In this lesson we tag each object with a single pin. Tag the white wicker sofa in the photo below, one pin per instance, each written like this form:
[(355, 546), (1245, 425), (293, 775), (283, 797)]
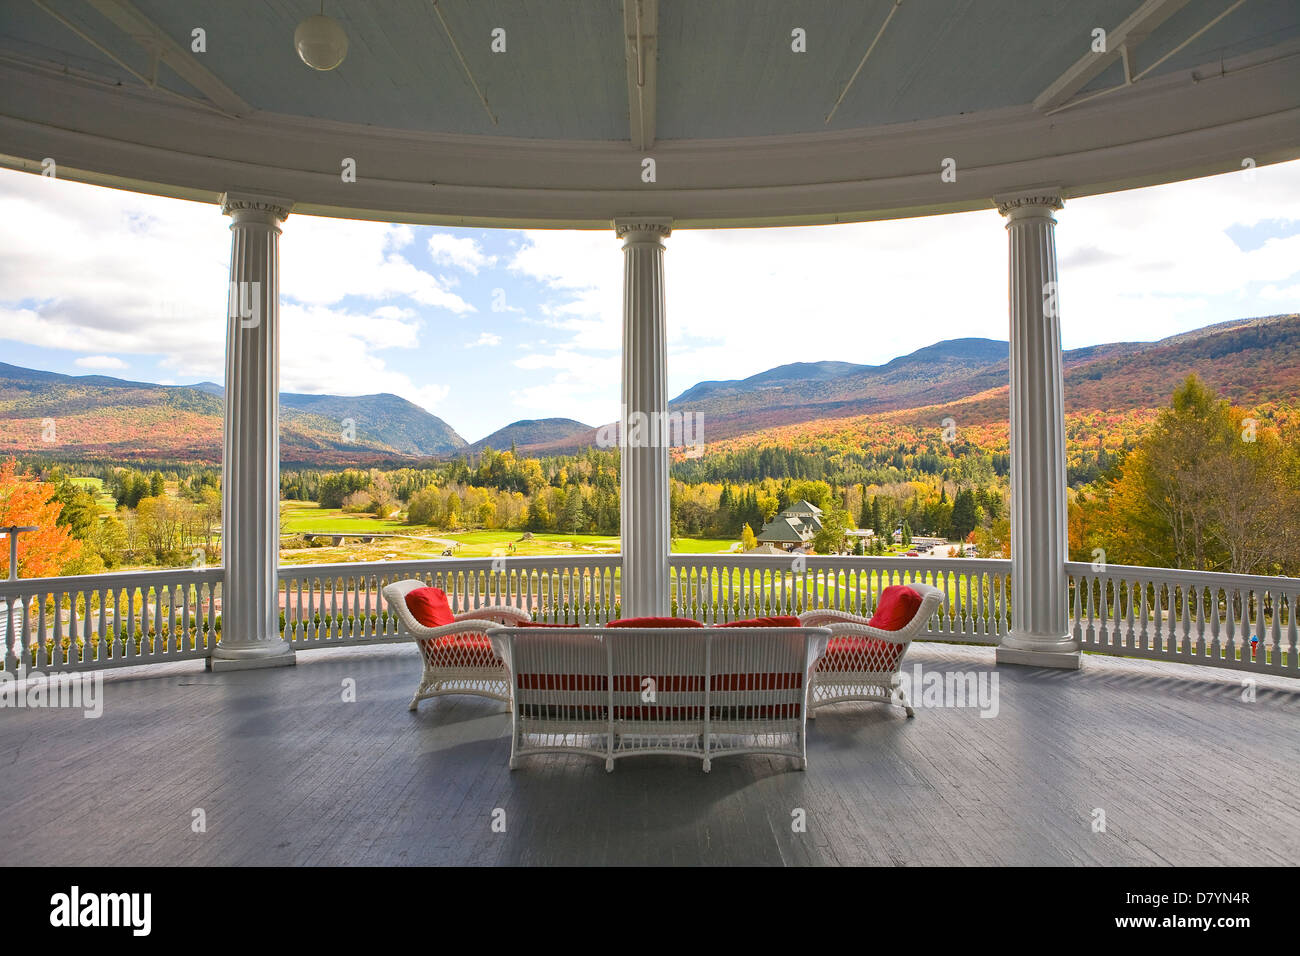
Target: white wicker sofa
[(458, 657), (699, 692), (863, 662)]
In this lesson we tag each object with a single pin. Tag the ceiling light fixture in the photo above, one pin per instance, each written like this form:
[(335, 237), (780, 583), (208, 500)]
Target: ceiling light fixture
[(320, 41)]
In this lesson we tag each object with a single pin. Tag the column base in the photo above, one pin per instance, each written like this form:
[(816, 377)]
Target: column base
[(1039, 651), (249, 657)]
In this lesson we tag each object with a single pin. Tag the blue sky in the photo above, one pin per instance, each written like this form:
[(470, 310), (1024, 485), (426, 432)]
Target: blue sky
[(484, 327)]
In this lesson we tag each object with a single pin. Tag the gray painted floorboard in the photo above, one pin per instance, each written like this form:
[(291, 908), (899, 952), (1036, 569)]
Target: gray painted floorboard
[(287, 773)]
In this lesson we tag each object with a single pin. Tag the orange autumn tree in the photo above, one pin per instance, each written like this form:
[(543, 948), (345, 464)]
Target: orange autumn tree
[(24, 502)]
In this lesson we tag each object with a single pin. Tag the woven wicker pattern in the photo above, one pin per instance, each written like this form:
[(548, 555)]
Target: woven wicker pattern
[(561, 686), (862, 662), (697, 692), (658, 693), (458, 658)]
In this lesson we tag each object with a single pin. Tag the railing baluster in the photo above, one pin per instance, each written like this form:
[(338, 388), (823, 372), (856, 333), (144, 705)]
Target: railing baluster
[(1292, 631), (1148, 612)]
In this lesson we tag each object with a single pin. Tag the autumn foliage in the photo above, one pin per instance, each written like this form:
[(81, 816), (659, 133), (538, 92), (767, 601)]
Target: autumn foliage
[(25, 502)]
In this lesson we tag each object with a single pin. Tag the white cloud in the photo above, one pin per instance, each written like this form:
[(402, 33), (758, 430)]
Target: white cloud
[(111, 273), (464, 253), (1289, 295), (330, 351), (100, 361), (1140, 264), (108, 272), (583, 386), (323, 260)]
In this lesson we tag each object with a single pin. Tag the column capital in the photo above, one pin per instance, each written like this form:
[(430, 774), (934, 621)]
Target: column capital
[(643, 228), (1039, 201), (254, 207)]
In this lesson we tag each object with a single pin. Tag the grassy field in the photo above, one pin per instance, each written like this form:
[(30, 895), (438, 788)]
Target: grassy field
[(299, 516), (420, 542), (96, 487)]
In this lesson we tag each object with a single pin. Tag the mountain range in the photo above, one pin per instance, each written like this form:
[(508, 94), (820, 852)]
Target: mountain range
[(100, 417), (1246, 360), (1249, 361)]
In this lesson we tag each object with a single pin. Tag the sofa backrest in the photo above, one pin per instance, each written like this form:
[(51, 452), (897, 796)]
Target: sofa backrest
[(559, 674), (757, 674), (660, 675)]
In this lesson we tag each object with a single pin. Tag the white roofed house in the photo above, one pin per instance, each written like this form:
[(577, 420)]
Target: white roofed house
[(641, 119)]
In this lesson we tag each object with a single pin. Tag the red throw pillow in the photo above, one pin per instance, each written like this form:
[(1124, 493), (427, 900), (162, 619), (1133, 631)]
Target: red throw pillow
[(898, 605), (654, 622), (429, 606), (777, 621)]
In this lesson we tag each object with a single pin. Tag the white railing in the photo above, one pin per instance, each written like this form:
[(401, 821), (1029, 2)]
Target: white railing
[(110, 620), (712, 588), (1246, 622), (338, 604)]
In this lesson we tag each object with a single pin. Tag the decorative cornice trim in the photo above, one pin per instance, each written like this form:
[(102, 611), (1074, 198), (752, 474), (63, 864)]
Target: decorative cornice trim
[(656, 227)]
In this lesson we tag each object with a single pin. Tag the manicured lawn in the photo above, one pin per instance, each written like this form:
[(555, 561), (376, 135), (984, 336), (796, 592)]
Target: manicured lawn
[(308, 516), (381, 549), (96, 487), (298, 517), (703, 545), (543, 542), (483, 544)]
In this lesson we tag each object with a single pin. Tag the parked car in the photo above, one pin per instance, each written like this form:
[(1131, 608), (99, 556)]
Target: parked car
[(913, 554)]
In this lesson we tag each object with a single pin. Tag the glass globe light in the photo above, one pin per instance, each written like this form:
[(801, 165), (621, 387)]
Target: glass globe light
[(321, 42)]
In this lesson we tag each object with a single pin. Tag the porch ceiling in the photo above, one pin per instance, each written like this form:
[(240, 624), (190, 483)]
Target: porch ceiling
[(735, 120)]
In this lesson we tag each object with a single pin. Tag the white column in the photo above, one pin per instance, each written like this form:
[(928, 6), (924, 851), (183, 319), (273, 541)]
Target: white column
[(643, 418), (1039, 635), (250, 470)]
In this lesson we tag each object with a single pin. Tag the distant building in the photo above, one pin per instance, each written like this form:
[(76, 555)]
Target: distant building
[(792, 528)]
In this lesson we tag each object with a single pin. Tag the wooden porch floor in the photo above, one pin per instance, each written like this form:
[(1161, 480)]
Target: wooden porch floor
[(287, 773)]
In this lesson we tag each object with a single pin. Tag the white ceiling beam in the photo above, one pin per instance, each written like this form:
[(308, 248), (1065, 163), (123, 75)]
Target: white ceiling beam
[(863, 62), (641, 29), (124, 15), (1123, 38)]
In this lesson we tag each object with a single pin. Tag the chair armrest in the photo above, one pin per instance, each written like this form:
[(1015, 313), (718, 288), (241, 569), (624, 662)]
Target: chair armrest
[(419, 632), (822, 617), (854, 629), (497, 613)]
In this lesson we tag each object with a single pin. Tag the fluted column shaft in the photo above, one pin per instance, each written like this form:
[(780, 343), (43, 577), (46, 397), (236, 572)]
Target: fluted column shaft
[(250, 489), (643, 433), (1039, 633)]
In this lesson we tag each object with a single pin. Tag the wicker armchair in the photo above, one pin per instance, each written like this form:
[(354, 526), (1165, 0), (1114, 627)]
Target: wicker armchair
[(863, 662), (458, 657)]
